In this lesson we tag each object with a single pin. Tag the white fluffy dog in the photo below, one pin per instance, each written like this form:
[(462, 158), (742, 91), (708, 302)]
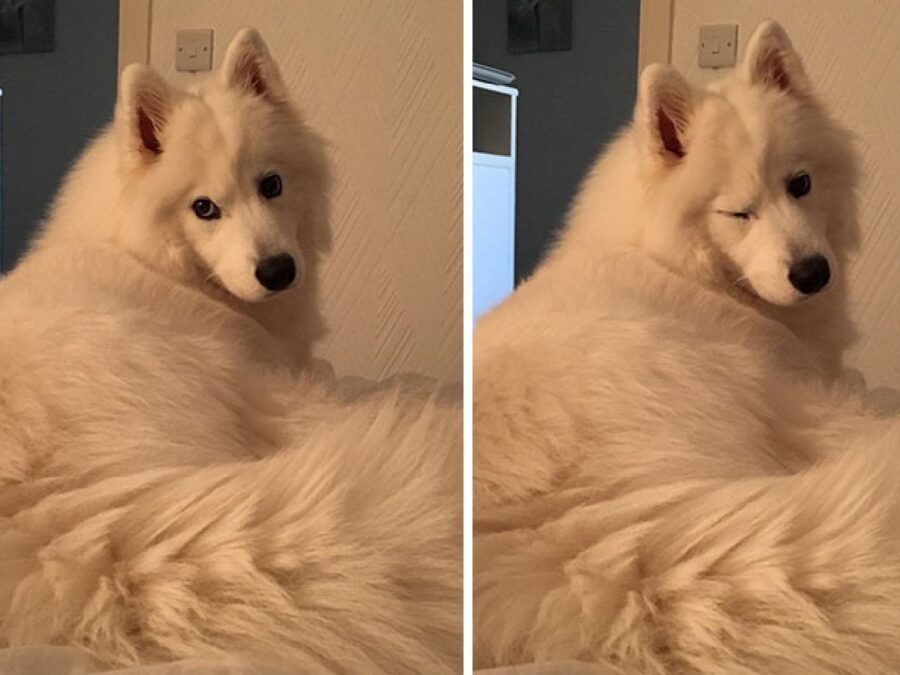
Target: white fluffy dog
[(171, 483), (670, 474)]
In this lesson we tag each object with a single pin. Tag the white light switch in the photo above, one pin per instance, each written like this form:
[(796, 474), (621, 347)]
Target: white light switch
[(193, 50), (718, 45)]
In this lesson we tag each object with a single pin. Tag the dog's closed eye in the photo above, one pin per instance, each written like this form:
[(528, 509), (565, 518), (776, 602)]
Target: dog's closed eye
[(740, 215)]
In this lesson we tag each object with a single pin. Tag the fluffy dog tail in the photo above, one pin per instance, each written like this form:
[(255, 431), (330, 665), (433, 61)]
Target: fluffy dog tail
[(788, 574), (339, 554)]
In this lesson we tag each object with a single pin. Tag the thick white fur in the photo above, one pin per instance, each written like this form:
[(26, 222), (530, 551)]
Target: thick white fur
[(171, 486), (670, 474)]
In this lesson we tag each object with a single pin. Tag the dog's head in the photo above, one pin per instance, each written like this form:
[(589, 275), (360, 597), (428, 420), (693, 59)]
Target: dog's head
[(226, 176), (756, 174)]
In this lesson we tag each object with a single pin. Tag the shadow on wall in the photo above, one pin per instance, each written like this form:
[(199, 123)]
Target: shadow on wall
[(53, 102), (570, 103)]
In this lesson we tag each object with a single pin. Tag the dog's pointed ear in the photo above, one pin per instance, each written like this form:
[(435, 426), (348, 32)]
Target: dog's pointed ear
[(771, 61), (143, 108), (663, 113), (249, 67)]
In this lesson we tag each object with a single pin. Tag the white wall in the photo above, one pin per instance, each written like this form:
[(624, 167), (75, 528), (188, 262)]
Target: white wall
[(382, 81), (852, 53)]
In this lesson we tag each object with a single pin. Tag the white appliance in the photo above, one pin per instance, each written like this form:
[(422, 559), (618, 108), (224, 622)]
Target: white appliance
[(493, 194)]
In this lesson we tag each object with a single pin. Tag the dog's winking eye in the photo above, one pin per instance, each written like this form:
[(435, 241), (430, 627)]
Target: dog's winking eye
[(206, 209), (270, 186), (799, 185), (738, 215)]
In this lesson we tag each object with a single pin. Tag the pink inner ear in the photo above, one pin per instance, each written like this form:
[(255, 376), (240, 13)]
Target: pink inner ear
[(779, 74), (148, 133), (257, 82), (253, 76), (771, 70), (668, 133)]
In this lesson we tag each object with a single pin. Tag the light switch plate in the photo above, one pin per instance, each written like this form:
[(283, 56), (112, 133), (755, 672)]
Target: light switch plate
[(718, 45), (193, 50)]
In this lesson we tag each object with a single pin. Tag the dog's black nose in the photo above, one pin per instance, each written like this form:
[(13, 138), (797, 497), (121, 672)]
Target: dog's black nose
[(276, 273), (810, 275)]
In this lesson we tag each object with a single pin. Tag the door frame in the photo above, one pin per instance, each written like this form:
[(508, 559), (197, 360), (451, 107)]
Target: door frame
[(134, 32), (655, 36)]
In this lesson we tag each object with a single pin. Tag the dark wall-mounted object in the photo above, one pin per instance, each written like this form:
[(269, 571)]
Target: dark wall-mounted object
[(538, 26), (26, 26)]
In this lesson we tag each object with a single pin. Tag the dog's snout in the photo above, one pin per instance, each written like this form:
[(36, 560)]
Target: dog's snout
[(277, 272), (810, 275)]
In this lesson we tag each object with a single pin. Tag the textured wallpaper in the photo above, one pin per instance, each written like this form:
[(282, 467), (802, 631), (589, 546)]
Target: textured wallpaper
[(382, 81), (852, 53)]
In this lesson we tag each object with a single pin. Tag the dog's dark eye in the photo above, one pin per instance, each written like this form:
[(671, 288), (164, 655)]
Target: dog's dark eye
[(799, 185), (206, 209), (270, 186)]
